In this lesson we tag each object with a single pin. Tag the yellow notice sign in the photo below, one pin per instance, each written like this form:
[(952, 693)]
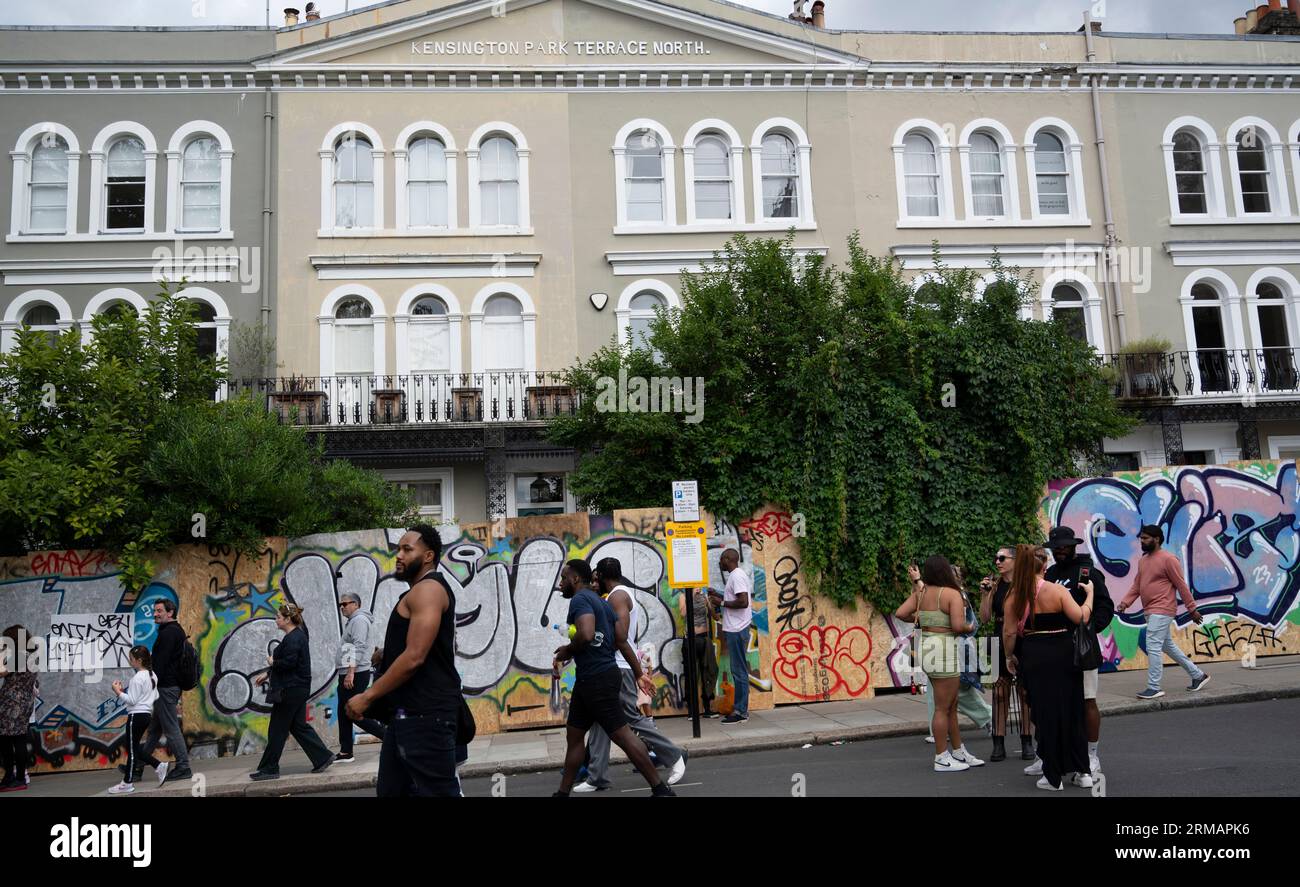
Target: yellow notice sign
[(688, 555)]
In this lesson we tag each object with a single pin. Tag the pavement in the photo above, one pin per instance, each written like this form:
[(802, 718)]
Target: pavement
[(888, 715)]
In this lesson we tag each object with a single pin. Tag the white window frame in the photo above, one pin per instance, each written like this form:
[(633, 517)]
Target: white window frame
[(1010, 172), (807, 219), (1094, 321), (512, 503), (729, 135), (99, 178), (481, 135), (1075, 189), (19, 208), (1278, 194), (623, 312), (943, 157), (222, 318), (445, 476), (1290, 287), (668, 152), (18, 308), (401, 162), (328, 228), (1229, 305), (528, 312), (104, 300), (1215, 202), (1277, 442), (325, 323), (402, 320), (175, 158)]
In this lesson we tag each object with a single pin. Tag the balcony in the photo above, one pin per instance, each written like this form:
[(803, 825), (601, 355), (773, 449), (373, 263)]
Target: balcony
[(415, 399), (1207, 374)]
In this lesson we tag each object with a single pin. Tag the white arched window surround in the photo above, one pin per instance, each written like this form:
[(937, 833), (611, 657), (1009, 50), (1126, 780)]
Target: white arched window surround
[(18, 308), (99, 170), (1275, 156), (1073, 165), (325, 321), (943, 157), (1293, 148), (19, 212), (623, 311), (1229, 304), (401, 158), (481, 135), (529, 314), (803, 150), (175, 154), (105, 300), (1213, 148), (1010, 174), (1094, 322), (222, 317), (669, 166), (728, 134), (327, 146), (1290, 287), (402, 319)]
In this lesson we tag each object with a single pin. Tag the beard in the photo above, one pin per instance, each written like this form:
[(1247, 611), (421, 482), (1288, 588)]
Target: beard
[(1148, 547), (410, 573)]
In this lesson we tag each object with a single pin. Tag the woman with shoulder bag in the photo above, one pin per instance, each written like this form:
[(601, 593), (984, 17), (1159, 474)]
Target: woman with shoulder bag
[(290, 679)]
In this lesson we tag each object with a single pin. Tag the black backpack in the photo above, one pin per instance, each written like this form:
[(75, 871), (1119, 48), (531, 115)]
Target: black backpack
[(187, 671)]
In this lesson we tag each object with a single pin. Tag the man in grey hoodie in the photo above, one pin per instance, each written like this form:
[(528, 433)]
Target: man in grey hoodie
[(354, 670)]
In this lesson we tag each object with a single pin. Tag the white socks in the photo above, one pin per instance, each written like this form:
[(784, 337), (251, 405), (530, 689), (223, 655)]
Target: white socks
[(1092, 749)]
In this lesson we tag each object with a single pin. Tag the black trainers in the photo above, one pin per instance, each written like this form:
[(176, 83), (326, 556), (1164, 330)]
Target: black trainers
[(341, 758), (325, 766), (734, 718), (1199, 682), (183, 773), (662, 790), (259, 776)]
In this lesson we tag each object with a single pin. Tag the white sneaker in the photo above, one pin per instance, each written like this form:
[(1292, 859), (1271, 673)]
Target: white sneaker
[(961, 754), (122, 788), (1036, 768), (583, 788), (161, 772), (1094, 764), (930, 739), (679, 770), (1047, 786), (1082, 780), (946, 763)]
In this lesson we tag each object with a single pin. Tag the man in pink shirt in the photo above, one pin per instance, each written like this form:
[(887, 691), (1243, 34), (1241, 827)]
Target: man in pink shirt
[(1158, 575)]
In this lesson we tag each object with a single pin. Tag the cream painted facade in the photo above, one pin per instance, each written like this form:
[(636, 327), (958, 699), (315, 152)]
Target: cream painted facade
[(545, 169)]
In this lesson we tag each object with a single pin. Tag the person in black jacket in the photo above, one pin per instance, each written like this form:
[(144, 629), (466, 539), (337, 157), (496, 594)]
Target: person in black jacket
[(290, 677), (166, 721), (1069, 570)]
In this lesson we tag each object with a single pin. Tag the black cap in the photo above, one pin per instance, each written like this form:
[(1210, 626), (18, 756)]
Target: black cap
[(1062, 537)]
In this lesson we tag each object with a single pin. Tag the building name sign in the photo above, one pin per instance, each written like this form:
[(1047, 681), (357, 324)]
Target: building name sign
[(560, 47)]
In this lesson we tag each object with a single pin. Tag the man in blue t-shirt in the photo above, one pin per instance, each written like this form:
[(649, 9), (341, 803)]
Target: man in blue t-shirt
[(595, 698)]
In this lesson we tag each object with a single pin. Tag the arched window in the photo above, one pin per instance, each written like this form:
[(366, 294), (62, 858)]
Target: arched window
[(713, 178), (124, 185), (499, 182), (201, 185), (429, 336), (987, 176), (426, 184), (354, 341), (47, 197), (1209, 339), (642, 314), (921, 171), (1190, 174), (645, 177), (1068, 311), (1052, 172), (1276, 358), (1253, 171), (354, 183), (205, 321), (780, 186), (503, 334), (43, 319)]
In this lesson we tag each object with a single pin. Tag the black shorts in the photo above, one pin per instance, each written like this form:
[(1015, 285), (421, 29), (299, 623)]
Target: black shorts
[(595, 700)]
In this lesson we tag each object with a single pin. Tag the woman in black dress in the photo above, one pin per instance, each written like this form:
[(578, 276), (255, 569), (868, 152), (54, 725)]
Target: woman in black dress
[(995, 590), (1041, 616)]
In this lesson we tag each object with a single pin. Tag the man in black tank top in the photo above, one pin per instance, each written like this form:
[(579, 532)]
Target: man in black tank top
[(419, 690)]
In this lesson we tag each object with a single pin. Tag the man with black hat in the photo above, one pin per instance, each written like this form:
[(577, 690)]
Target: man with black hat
[(1069, 570)]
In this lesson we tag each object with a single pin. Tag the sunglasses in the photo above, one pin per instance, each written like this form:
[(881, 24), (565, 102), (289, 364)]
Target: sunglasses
[(1002, 557)]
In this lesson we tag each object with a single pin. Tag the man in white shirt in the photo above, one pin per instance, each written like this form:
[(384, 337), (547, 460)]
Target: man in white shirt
[(736, 619)]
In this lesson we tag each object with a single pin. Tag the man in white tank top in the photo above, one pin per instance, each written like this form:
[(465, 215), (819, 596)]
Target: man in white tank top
[(611, 584)]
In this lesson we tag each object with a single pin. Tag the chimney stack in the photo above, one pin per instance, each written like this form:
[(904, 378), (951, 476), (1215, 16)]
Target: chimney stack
[(1239, 25), (819, 15), (313, 14), (1252, 20), (290, 17)]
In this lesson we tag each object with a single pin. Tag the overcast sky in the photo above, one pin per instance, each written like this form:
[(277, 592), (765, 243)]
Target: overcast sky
[(1181, 16)]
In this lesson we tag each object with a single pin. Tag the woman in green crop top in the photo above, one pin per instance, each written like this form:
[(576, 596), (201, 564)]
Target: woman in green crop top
[(939, 612)]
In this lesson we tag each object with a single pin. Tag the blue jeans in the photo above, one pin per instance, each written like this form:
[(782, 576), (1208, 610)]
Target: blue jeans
[(737, 643), (1158, 643)]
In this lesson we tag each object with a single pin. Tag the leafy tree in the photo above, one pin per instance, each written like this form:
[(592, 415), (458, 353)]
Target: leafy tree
[(897, 423)]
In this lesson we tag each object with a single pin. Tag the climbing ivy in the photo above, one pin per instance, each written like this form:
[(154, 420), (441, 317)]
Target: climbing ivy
[(898, 424)]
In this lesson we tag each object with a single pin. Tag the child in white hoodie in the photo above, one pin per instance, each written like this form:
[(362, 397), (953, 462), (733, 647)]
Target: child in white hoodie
[(138, 697)]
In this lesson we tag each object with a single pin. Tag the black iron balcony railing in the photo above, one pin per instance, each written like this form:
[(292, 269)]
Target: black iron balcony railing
[(421, 398), (1208, 372)]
